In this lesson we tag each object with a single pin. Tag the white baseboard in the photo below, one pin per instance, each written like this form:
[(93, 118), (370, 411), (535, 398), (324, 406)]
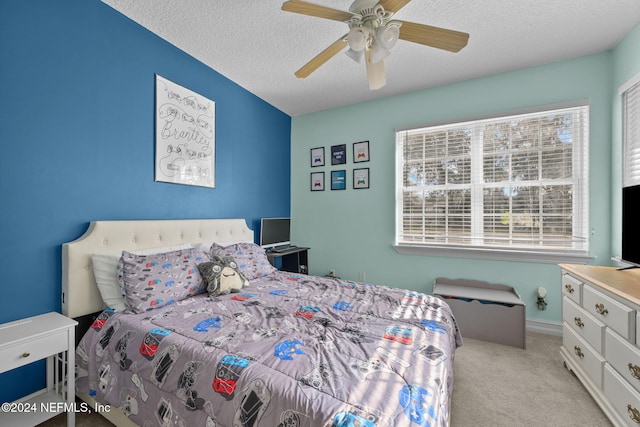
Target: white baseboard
[(544, 327)]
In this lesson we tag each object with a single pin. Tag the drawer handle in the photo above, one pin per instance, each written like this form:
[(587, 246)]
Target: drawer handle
[(578, 321), (578, 351), (600, 309), (25, 355), (635, 370), (569, 288), (634, 414)]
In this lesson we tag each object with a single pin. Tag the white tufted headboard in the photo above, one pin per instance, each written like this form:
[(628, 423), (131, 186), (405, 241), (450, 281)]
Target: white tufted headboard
[(80, 295)]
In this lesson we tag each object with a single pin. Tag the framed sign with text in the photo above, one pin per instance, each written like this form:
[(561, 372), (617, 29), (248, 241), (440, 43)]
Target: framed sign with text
[(185, 136)]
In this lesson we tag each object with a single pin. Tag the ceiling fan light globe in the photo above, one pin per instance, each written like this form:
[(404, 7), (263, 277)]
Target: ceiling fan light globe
[(357, 39), (378, 53), (388, 36), (376, 74)]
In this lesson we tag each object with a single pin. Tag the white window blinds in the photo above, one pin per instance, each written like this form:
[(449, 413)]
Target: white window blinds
[(631, 120), (516, 182)]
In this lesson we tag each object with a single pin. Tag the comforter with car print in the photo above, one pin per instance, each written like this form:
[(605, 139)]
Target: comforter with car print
[(289, 350)]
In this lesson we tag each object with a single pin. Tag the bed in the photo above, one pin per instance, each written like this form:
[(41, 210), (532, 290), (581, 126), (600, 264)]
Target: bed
[(284, 350)]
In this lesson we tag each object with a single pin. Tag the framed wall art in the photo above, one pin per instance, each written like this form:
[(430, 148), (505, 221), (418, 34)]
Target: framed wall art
[(317, 181), (339, 180), (339, 154), (360, 151), (317, 157), (361, 178), (185, 136)]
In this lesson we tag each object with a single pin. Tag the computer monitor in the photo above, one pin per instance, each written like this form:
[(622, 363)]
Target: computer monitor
[(274, 232)]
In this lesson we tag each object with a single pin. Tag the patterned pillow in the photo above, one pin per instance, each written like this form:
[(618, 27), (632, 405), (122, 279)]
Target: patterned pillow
[(251, 258), (105, 271), (152, 281)]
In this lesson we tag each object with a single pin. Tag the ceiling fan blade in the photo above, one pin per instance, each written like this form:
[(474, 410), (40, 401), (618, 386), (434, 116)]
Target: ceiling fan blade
[(312, 9), (376, 74), (321, 58), (393, 5), (440, 38)]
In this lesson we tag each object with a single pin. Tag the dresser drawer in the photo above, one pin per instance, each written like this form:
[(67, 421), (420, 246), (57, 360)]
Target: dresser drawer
[(624, 357), (583, 354), (587, 326), (31, 350), (572, 288), (622, 396), (618, 316)]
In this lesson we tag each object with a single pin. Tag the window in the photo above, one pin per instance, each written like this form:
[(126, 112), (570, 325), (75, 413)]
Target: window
[(631, 125), (511, 187)]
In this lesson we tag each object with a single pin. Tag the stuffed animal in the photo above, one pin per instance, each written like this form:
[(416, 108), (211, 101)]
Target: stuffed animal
[(222, 276)]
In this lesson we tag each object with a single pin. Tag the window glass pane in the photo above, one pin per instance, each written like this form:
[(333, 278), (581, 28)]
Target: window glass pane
[(496, 200), (555, 230), (525, 200), (556, 162), (496, 167), (413, 203), (459, 142), (496, 138), (497, 229), (435, 203), (413, 147), (457, 170), (433, 172), (412, 174), (631, 117), (436, 145)]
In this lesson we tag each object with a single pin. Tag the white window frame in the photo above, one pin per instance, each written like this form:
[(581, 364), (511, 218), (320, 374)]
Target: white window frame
[(510, 253), (630, 93)]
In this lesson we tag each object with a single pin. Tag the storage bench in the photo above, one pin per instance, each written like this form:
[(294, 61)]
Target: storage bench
[(485, 311)]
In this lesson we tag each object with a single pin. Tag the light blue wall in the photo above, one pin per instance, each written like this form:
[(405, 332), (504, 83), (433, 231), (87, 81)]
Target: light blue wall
[(77, 138), (352, 231)]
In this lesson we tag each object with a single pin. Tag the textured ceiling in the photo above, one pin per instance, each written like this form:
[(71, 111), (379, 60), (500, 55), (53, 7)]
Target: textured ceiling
[(259, 47)]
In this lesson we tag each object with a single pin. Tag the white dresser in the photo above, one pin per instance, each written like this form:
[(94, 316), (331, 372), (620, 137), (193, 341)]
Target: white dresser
[(601, 336)]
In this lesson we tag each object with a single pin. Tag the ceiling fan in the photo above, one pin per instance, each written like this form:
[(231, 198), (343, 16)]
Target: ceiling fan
[(372, 34)]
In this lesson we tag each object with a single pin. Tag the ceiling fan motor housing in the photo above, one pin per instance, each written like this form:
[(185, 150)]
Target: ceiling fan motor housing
[(371, 29), (359, 6)]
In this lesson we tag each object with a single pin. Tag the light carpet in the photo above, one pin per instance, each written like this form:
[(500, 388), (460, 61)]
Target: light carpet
[(497, 385)]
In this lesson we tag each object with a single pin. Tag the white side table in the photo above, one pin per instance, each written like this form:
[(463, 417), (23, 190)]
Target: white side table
[(49, 336)]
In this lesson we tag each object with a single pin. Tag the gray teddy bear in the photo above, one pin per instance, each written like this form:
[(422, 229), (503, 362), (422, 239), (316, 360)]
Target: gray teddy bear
[(222, 276)]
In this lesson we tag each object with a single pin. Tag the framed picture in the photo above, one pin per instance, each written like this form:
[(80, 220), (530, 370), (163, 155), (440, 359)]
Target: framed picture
[(317, 157), (317, 181), (185, 136), (339, 180), (339, 154), (361, 178), (360, 151)]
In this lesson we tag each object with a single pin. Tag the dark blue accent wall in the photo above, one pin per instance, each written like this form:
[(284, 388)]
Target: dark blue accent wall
[(77, 139)]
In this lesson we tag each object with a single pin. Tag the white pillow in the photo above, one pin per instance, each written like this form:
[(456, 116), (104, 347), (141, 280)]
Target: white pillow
[(105, 271), (203, 246)]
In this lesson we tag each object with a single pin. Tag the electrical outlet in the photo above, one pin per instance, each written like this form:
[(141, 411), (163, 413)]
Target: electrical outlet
[(332, 272), (361, 276)]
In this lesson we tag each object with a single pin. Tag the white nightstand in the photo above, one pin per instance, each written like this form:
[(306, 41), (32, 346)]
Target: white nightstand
[(50, 336)]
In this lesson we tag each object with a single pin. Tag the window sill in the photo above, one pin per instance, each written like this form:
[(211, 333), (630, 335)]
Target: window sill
[(521, 255)]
